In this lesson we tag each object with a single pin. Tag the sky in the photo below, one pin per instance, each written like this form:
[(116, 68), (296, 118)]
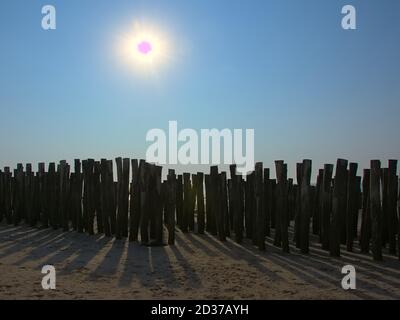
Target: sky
[(284, 68)]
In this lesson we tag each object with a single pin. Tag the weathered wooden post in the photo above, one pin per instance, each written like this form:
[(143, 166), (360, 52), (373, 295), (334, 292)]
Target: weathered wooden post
[(125, 195), (18, 201), (236, 209), (316, 219), (135, 202), (224, 204), (119, 214), (8, 195), (105, 196), (44, 219), (365, 233), (171, 205), (64, 176), (392, 205), (259, 206), (157, 205), (144, 202), (192, 203), (352, 205), (200, 203), (384, 202), (1, 195), (186, 202), (223, 207), (230, 203), (267, 202), (305, 206), (97, 197), (50, 193), (28, 195), (179, 201), (282, 219), (249, 206), (359, 205), (338, 206), (296, 235), (398, 219), (89, 192), (77, 196), (208, 203), (376, 209)]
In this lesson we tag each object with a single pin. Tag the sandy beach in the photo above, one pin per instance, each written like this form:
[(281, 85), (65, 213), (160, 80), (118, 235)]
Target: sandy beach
[(197, 267)]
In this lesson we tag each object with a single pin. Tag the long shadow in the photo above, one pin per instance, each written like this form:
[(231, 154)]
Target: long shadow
[(163, 268), (191, 275), (111, 260), (46, 247), (137, 257), (364, 272), (182, 243), (86, 253), (201, 246), (28, 242), (230, 250), (309, 265)]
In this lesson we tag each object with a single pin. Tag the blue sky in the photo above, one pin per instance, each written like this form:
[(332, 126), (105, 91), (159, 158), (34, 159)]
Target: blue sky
[(283, 67)]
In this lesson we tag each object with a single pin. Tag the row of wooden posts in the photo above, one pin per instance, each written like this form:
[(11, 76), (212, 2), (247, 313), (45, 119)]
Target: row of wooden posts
[(343, 209)]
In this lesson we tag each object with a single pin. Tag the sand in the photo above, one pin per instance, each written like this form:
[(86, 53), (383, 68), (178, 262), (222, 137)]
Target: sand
[(197, 267)]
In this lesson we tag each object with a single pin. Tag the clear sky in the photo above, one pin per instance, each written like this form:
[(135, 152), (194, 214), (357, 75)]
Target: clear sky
[(283, 67)]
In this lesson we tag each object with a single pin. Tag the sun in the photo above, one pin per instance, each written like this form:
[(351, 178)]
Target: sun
[(144, 47)]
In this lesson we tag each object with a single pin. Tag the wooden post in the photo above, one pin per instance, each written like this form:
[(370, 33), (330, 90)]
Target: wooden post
[(125, 195), (305, 206), (171, 205), (18, 201), (392, 205), (376, 209), (8, 195), (236, 205), (51, 194), (186, 202), (97, 197), (224, 204), (1, 196), (192, 202), (267, 202), (28, 195), (135, 202), (338, 206), (62, 195), (200, 203), (223, 207), (144, 202), (249, 206), (299, 172), (179, 201), (157, 205), (359, 205), (316, 220), (384, 201), (89, 193), (44, 219), (259, 206), (119, 214), (365, 233), (282, 219), (352, 205), (105, 196), (398, 218)]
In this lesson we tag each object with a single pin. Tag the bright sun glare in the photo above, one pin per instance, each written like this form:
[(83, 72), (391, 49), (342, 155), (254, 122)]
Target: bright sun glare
[(144, 47)]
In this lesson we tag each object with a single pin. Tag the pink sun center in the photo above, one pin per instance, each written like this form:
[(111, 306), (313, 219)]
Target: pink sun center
[(144, 47)]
